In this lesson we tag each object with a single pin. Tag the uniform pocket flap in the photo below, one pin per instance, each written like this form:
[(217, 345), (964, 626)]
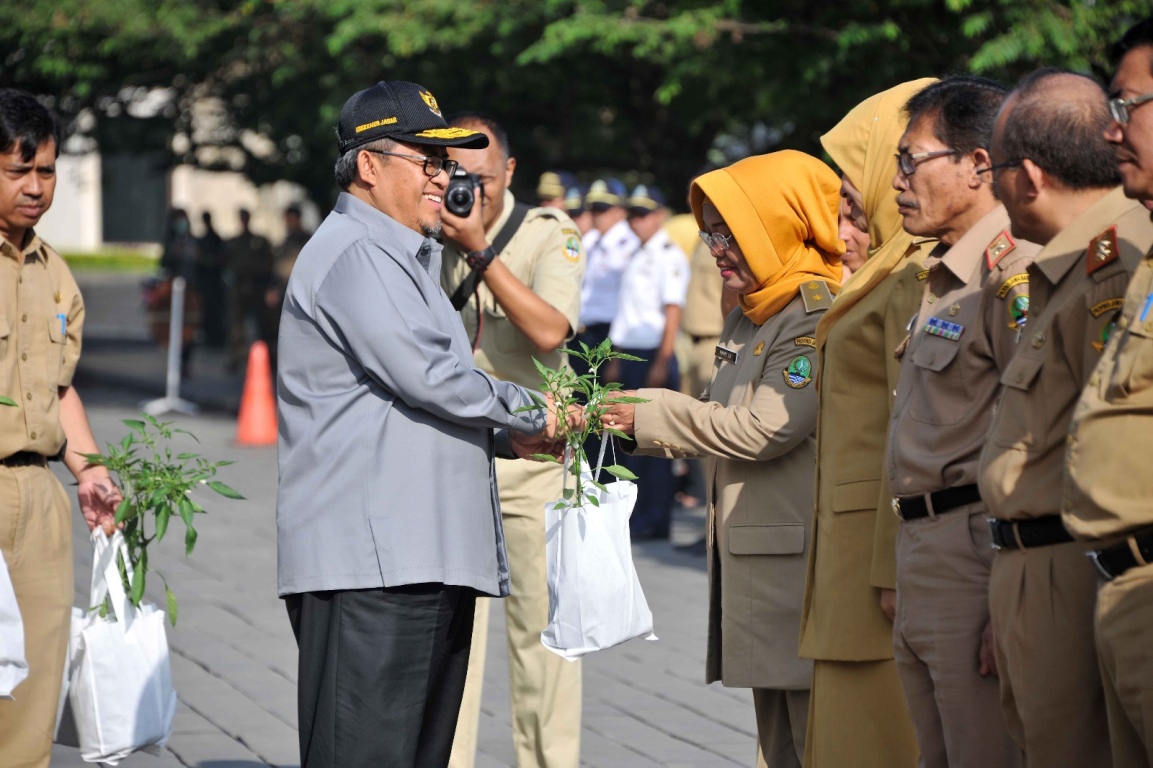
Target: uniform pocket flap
[(1021, 371), (935, 353), (55, 331), (856, 496), (783, 539)]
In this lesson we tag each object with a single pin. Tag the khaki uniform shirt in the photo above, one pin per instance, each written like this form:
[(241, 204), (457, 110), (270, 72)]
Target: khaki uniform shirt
[(545, 254), (962, 339), (703, 318), (1109, 486), (1077, 284), (41, 318)]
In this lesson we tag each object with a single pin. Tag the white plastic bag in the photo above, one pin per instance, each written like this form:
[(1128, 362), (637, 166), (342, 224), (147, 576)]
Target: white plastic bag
[(594, 596), (121, 695), (13, 666)]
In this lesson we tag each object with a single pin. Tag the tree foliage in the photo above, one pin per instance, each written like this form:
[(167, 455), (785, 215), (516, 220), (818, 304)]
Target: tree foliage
[(657, 89)]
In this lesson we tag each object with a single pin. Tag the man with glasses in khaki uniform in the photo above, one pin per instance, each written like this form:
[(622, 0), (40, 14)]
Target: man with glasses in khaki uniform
[(41, 418), (1058, 180), (960, 343), (1109, 488), (521, 303)]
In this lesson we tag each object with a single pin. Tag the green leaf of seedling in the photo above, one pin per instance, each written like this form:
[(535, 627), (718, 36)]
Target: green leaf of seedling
[(593, 499), (92, 458), (7, 401), (597, 485), (186, 432), (126, 442), (189, 540), (162, 515), (605, 345), (631, 358), (544, 457), (568, 494), (135, 424), (171, 600), (559, 505), (138, 583), (617, 433), (224, 463), (123, 509), (187, 456), (616, 470), (187, 510), (625, 399), (584, 347), (224, 490), (527, 408)]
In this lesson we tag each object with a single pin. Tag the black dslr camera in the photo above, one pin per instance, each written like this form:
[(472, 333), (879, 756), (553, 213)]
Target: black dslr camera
[(459, 198)]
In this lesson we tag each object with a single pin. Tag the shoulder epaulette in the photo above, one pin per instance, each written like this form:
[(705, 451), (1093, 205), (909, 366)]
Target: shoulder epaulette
[(548, 213), (1001, 246), (816, 295), (1102, 250)]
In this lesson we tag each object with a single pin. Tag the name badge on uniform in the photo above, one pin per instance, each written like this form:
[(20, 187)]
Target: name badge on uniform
[(728, 355)]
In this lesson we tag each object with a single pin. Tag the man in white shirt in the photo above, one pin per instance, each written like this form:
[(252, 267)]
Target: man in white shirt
[(646, 323), (606, 258)]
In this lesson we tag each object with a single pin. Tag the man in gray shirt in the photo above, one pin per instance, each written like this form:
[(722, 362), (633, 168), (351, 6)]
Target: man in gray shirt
[(388, 520)]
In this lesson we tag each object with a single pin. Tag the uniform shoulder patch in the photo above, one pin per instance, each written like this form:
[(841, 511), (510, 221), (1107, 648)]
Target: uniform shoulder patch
[(1099, 309), (1011, 283), (1002, 244), (1102, 250), (923, 275), (552, 214), (816, 295), (572, 248), (570, 231), (799, 373), (805, 341)]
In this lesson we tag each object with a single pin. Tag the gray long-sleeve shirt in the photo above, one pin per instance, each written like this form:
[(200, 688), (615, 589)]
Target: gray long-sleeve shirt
[(386, 426)]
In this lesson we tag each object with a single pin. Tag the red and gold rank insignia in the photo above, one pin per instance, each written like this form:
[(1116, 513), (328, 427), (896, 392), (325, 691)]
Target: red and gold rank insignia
[(1001, 245), (1102, 250)]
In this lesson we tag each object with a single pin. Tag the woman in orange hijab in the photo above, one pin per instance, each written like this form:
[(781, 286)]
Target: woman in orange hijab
[(858, 716), (771, 224)]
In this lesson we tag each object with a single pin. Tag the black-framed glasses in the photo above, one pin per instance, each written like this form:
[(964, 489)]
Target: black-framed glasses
[(1119, 108), (716, 242), (908, 162), (433, 164), (994, 168)]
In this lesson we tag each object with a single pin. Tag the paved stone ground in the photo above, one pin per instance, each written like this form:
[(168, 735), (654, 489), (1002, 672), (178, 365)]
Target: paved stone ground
[(234, 659)]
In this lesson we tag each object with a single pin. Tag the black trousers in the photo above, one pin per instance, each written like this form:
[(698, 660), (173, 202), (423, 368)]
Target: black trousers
[(381, 674)]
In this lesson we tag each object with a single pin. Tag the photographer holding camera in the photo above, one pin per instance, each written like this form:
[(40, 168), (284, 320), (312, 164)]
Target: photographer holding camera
[(515, 274)]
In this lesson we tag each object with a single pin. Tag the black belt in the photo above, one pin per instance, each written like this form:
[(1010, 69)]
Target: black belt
[(25, 459), (916, 507), (699, 339), (1111, 562), (1026, 534)]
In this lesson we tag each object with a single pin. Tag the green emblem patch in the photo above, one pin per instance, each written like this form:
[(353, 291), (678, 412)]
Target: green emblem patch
[(799, 372), (1019, 312), (572, 249), (1106, 332)]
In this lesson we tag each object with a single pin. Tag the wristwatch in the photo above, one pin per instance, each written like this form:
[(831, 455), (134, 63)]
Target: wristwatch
[(479, 260)]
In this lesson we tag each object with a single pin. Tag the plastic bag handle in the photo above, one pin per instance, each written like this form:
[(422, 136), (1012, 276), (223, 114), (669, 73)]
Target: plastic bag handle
[(106, 576)]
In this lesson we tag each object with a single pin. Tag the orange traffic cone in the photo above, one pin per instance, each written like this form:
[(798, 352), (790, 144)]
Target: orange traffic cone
[(257, 422)]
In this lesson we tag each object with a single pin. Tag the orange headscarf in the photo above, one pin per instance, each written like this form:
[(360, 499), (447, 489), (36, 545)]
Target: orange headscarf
[(782, 209)]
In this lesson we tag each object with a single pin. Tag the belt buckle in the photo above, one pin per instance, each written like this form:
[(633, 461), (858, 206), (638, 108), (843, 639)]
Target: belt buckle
[(992, 521), (897, 508), (1095, 556)]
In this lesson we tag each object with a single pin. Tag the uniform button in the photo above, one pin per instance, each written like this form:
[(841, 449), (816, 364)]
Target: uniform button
[(1149, 327), (24, 356), (1038, 340), (29, 396), (24, 319), (657, 443), (1020, 377), (931, 298), (676, 447), (1068, 439), (1093, 380), (33, 435), (1124, 323)]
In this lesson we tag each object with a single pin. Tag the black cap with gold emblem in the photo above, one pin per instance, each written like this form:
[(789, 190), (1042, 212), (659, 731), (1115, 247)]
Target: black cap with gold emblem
[(401, 111)]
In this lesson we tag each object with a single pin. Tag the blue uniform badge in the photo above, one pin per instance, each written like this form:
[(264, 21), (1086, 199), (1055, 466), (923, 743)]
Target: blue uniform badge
[(63, 323), (943, 328), (798, 374)]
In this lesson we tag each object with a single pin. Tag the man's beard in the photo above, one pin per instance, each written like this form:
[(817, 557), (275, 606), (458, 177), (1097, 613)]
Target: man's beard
[(430, 231)]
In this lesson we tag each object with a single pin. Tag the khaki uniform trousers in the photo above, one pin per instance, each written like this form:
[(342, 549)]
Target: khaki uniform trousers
[(858, 718), (942, 608), (545, 688), (1125, 648), (782, 717), (36, 537), (1042, 601)]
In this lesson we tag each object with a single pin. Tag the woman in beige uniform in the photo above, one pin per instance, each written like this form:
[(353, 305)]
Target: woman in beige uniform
[(771, 223)]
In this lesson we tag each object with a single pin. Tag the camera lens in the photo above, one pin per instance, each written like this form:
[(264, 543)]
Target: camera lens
[(459, 199)]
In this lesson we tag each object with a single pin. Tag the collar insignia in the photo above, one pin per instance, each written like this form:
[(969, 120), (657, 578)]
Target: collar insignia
[(1001, 245), (1102, 250)]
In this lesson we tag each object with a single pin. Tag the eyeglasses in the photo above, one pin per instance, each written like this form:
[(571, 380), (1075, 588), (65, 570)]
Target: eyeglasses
[(433, 164), (716, 242), (1119, 108), (908, 162), (994, 168)]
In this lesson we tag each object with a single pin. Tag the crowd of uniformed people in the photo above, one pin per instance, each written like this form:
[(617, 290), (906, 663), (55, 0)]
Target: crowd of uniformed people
[(920, 387)]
